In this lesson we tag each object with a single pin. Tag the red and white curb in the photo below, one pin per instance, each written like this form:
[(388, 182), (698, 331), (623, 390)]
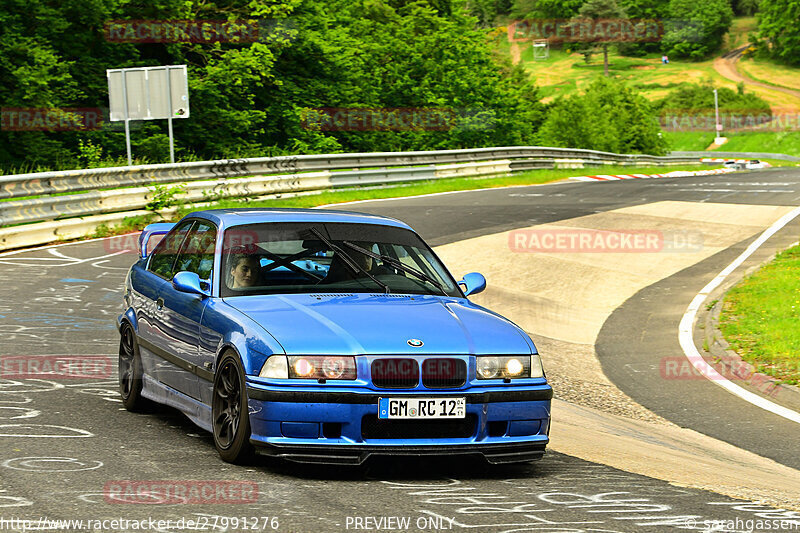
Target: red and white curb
[(721, 160), (674, 174)]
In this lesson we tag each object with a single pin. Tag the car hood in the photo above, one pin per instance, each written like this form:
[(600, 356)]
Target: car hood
[(352, 324)]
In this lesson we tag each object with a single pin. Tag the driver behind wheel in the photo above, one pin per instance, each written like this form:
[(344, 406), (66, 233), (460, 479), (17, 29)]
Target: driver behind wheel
[(244, 271)]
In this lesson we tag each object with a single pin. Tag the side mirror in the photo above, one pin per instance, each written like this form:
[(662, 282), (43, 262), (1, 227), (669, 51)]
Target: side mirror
[(473, 283), (188, 282)]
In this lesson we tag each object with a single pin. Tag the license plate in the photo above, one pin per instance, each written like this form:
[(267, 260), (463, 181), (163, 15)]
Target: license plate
[(422, 407)]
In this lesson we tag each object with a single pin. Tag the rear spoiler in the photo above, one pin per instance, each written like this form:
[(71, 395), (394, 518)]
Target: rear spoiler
[(151, 230)]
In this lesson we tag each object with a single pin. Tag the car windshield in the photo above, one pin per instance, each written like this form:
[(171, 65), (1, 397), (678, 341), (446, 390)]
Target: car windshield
[(273, 258)]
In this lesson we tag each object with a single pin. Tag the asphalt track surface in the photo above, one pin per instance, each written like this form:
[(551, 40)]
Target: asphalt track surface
[(66, 445)]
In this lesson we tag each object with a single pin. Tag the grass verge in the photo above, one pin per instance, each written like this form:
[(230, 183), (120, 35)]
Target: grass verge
[(760, 318), (775, 142), (770, 72)]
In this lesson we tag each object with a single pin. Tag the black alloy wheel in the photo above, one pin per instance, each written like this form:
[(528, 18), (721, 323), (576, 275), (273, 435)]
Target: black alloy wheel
[(231, 418)]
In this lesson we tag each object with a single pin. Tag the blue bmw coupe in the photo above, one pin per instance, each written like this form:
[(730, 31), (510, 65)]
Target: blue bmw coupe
[(324, 337)]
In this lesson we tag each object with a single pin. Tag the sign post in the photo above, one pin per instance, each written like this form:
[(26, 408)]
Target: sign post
[(148, 93), (718, 139)]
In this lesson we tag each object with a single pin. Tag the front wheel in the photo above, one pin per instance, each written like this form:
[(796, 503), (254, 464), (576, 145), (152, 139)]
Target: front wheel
[(231, 418)]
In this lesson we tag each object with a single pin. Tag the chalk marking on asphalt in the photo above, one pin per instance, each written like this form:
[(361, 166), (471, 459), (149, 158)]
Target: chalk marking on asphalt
[(29, 430), (50, 464), (687, 322)]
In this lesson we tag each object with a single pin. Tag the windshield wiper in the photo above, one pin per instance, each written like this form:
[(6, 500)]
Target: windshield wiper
[(355, 267), (398, 265)]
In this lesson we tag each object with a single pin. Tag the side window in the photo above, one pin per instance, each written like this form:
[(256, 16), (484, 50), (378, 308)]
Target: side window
[(197, 253), (163, 257)]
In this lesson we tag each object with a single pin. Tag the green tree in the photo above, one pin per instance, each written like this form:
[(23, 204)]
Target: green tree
[(779, 29), (652, 10), (545, 9), (486, 11), (598, 10), (745, 8), (700, 97), (697, 28), (47, 62), (249, 99), (368, 54), (607, 116)]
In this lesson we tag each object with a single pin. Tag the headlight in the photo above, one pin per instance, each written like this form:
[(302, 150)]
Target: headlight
[(507, 366), (322, 367), (309, 367)]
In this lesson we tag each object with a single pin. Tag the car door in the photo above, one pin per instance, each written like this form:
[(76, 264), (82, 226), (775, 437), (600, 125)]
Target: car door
[(181, 312), (148, 283)]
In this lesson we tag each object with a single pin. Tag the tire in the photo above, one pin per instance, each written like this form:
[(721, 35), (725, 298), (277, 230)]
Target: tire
[(130, 371), (229, 412)]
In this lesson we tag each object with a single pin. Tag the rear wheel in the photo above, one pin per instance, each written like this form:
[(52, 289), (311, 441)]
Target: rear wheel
[(130, 371), (231, 418)]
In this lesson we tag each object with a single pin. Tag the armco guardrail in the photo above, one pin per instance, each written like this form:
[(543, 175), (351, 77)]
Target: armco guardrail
[(103, 192), (102, 178)]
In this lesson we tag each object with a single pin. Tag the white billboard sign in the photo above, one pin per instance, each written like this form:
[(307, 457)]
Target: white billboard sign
[(148, 93)]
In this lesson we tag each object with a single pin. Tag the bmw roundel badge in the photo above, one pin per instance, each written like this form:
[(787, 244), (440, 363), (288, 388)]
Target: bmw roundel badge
[(416, 343)]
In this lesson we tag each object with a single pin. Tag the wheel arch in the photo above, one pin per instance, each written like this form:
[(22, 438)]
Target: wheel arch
[(129, 318), (252, 351), (225, 348)]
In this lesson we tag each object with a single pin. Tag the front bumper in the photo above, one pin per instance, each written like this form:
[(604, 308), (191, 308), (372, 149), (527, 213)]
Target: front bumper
[(341, 454), (508, 424)]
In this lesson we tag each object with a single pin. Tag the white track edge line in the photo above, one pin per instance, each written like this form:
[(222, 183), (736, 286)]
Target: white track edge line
[(687, 322)]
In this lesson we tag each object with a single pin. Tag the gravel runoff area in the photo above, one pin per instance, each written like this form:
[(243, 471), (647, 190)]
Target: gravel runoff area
[(575, 374)]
